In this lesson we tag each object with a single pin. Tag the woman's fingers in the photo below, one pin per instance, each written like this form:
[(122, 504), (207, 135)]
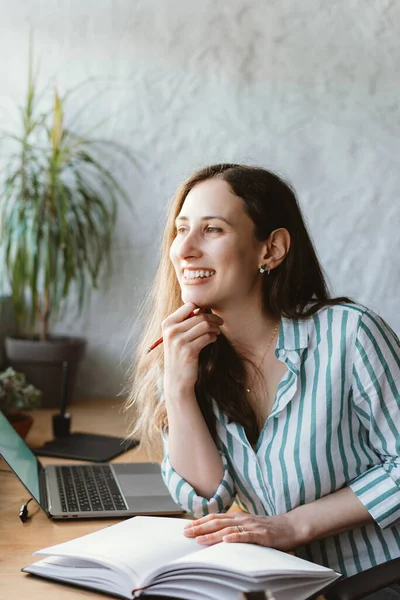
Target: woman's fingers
[(193, 348), (201, 318), (214, 517), (274, 531), (213, 523), (227, 527), (184, 333), (194, 333), (181, 314), (187, 316), (229, 530), (259, 537), (219, 536), (199, 329)]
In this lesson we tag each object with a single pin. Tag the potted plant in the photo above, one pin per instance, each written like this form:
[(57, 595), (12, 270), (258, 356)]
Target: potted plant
[(58, 205), (16, 396)]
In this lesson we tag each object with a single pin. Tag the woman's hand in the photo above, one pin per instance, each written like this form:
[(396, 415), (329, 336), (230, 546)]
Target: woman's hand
[(275, 532), (184, 338)]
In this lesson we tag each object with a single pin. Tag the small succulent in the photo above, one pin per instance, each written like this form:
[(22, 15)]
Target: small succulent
[(16, 393)]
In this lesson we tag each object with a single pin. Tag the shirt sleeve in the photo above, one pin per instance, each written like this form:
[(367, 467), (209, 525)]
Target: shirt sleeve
[(376, 398), (185, 495)]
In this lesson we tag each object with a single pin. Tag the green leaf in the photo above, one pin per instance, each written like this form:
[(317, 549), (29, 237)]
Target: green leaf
[(57, 129)]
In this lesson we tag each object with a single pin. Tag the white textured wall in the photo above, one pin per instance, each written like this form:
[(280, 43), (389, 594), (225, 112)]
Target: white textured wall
[(310, 89)]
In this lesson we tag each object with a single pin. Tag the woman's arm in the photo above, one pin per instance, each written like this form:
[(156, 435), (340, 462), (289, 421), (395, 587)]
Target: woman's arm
[(333, 514), (330, 515), (376, 402), (192, 452), (375, 494)]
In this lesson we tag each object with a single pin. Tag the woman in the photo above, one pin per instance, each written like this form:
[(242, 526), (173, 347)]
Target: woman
[(276, 396)]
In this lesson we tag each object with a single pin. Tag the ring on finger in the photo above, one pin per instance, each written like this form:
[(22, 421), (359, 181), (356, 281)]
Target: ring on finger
[(240, 528)]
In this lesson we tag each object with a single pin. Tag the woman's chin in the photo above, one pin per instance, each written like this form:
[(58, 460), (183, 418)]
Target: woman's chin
[(197, 298)]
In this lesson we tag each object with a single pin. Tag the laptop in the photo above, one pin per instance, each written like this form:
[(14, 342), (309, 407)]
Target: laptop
[(87, 491)]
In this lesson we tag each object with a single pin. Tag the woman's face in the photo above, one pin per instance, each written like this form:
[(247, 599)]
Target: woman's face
[(215, 253)]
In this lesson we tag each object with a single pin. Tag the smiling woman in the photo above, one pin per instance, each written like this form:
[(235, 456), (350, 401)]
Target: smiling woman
[(272, 393)]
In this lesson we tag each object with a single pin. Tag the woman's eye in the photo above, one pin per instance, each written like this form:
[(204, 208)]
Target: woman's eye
[(213, 229), (180, 230)]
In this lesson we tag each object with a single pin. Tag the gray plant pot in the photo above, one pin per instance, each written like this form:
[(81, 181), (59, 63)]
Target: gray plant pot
[(42, 364), (8, 325)]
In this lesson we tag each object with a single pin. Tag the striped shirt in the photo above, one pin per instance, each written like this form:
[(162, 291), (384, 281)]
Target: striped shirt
[(335, 422)]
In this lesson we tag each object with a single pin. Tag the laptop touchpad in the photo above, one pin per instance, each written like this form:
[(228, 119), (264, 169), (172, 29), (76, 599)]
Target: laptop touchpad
[(142, 485)]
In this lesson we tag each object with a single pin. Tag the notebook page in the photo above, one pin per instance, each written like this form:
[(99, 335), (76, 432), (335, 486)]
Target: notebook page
[(137, 546), (251, 559), (81, 573)]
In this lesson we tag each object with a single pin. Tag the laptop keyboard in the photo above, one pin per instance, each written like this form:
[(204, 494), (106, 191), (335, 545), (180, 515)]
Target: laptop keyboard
[(88, 489)]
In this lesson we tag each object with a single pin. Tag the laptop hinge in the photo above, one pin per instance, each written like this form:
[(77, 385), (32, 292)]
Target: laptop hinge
[(43, 492)]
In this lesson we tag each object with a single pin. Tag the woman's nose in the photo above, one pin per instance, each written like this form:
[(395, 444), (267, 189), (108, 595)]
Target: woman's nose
[(189, 246)]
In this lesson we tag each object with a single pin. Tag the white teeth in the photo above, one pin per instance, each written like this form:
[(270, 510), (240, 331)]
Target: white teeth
[(189, 274)]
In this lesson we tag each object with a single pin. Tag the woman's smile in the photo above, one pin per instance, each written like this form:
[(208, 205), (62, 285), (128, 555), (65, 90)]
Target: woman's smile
[(197, 276)]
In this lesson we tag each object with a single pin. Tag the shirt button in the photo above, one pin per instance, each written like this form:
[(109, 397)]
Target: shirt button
[(282, 352)]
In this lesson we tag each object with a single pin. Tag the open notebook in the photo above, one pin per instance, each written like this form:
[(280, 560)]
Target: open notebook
[(150, 555)]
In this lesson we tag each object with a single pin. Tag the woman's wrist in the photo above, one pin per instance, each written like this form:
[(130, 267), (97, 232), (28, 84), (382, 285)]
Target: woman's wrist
[(178, 394), (301, 527), (330, 515)]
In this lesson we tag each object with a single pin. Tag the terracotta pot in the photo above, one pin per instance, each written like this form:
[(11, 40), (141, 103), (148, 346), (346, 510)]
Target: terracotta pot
[(21, 421)]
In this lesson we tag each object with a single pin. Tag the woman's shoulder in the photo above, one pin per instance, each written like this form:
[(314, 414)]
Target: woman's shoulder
[(348, 319), (346, 310), (350, 310)]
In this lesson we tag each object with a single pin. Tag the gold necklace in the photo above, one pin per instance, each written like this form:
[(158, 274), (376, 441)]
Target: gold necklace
[(248, 389)]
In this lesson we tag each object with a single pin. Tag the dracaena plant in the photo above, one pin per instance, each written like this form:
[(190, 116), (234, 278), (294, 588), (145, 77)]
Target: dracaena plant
[(58, 205)]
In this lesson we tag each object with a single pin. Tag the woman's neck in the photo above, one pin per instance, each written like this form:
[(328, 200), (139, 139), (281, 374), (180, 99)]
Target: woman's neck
[(248, 328)]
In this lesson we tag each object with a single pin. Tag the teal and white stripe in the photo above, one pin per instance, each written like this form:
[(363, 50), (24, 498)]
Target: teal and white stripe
[(335, 422)]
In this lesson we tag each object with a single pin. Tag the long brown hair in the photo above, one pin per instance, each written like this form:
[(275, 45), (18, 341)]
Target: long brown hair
[(295, 289)]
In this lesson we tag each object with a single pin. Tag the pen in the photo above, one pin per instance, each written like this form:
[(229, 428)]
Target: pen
[(160, 339)]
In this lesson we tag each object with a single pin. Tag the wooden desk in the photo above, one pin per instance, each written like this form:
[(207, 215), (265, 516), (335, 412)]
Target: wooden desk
[(18, 540)]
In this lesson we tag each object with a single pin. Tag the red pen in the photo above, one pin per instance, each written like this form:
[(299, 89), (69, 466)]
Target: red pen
[(160, 340)]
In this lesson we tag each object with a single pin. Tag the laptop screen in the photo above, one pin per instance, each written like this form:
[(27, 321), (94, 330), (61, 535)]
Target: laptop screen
[(20, 458)]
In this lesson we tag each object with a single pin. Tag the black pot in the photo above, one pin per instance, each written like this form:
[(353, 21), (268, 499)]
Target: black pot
[(42, 364), (8, 325)]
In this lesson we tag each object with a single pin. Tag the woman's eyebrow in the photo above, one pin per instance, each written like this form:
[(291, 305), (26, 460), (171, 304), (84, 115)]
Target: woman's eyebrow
[(206, 218)]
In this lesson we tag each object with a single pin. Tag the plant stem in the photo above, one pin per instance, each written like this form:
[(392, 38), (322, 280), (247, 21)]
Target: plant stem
[(44, 317)]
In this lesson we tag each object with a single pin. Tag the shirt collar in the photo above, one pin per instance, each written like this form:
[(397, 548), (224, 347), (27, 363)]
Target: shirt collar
[(293, 334)]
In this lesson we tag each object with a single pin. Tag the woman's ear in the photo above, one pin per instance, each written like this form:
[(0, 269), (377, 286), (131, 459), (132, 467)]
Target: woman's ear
[(276, 248)]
